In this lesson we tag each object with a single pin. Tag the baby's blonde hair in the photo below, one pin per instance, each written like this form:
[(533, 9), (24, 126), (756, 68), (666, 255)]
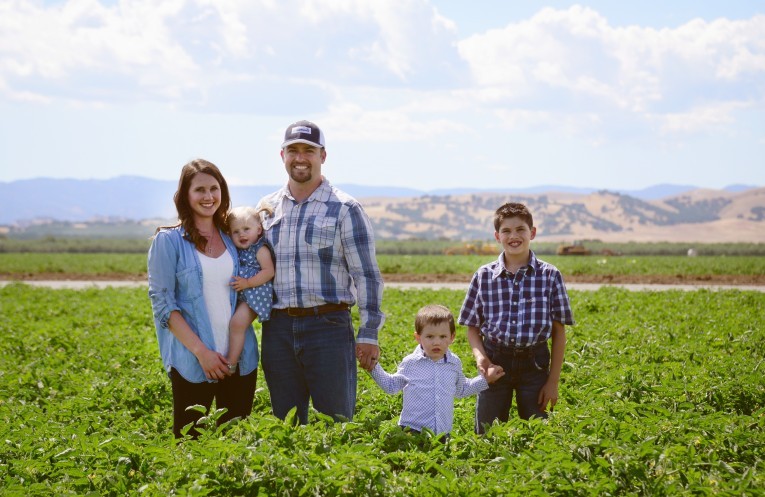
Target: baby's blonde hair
[(245, 212)]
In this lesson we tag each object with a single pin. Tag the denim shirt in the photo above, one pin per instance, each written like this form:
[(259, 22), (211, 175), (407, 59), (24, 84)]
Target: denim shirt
[(175, 284)]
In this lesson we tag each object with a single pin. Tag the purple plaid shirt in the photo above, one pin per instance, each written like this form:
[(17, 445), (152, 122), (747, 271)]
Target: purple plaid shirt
[(516, 310)]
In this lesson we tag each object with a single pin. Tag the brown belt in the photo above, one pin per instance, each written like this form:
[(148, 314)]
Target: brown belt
[(300, 312)]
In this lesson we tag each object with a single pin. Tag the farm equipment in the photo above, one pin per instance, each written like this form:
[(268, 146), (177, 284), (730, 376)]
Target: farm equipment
[(472, 249), (576, 249)]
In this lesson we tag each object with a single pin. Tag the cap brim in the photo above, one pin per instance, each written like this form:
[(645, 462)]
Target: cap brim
[(301, 140)]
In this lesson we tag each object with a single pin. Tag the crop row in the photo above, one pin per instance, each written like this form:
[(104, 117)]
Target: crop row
[(132, 237), (662, 394), (18, 265)]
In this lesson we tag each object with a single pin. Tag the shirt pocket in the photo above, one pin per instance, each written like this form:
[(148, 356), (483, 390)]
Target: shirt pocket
[(189, 284), (535, 314), (320, 233)]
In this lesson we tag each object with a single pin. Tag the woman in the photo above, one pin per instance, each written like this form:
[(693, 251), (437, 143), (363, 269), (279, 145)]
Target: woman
[(190, 269)]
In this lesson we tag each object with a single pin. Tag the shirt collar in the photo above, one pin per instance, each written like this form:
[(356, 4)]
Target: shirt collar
[(322, 193), (499, 267)]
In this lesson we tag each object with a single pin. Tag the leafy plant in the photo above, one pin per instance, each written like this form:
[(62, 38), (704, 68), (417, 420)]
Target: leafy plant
[(661, 394)]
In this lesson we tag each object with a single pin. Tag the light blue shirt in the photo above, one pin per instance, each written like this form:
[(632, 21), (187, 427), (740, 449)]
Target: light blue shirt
[(175, 284), (430, 388), (325, 253)]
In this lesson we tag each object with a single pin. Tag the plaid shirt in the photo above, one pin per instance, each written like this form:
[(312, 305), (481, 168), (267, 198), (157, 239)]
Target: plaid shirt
[(325, 253), (516, 310), (429, 389)]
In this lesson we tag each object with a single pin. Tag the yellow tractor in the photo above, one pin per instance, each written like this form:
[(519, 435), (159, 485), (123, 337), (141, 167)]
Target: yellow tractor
[(576, 249)]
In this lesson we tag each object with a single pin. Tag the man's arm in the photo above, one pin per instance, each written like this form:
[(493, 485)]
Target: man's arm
[(359, 247)]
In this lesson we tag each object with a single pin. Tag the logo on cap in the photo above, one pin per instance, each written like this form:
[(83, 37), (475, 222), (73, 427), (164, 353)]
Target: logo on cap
[(301, 129)]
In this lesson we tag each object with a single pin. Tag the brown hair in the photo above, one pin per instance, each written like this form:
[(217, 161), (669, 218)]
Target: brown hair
[(512, 209), (181, 199), (433, 314)]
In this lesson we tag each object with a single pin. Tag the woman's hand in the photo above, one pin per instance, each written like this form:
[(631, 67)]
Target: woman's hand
[(214, 365)]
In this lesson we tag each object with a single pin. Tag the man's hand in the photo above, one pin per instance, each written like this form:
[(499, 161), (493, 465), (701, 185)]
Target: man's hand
[(368, 355)]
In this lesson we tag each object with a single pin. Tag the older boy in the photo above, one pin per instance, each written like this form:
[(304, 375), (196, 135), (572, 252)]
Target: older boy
[(431, 376), (513, 306)]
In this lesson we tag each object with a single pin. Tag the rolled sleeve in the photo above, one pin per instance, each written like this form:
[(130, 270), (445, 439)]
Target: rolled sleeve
[(359, 248), (162, 261), (560, 305)]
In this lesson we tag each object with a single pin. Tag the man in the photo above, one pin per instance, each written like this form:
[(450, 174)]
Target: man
[(325, 263)]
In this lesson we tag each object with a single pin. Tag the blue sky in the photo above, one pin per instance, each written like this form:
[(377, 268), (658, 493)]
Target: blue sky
[(413, 93)]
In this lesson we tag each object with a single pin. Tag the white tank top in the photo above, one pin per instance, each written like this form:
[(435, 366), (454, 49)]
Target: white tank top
[(216, 276)]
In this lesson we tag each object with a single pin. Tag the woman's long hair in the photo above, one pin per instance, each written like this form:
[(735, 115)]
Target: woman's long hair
[(181, 199)]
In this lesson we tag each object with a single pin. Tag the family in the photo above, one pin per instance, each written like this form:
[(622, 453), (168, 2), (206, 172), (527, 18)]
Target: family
[(298, 262)]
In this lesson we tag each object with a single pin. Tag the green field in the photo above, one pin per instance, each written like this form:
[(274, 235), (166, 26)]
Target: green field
[(134, 265), (662, 394)]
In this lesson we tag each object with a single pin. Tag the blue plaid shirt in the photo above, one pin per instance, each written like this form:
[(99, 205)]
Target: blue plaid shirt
[(325, 253), (516, 310)]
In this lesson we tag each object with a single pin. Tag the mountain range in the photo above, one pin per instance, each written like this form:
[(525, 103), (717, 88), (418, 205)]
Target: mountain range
[(657, 213)]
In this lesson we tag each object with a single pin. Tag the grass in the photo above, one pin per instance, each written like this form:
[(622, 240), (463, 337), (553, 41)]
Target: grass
[(18, 265)]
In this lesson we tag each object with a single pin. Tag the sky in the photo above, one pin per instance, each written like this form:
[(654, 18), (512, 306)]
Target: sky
[(423, 94)]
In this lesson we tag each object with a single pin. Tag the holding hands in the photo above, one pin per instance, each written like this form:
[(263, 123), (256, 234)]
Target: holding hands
[(491, 372), (368, 355)]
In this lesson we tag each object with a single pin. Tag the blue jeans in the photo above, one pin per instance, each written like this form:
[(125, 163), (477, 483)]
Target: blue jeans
[(311, 357), (526, 372)]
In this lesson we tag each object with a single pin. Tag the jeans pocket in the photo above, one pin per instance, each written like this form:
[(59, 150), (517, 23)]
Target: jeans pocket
[(541, 359)]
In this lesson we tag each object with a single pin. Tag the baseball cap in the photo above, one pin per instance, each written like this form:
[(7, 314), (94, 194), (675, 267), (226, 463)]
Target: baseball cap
[(303, 132)]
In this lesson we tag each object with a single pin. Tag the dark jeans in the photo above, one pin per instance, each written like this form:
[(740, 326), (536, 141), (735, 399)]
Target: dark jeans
[(235, 393), (312, 357), (526, 372)]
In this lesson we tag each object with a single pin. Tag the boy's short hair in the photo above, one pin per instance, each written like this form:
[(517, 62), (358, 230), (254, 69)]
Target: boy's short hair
[(512, 209), (433, 314)]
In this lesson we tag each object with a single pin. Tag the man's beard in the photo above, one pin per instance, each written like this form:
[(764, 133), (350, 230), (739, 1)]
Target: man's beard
[(300, 176)]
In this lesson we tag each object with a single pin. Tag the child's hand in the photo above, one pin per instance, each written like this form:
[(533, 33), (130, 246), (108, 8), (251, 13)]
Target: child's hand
[(239, 284), (493, 373)]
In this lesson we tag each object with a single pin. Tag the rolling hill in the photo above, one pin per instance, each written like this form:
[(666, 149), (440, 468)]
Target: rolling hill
[(679, 213)]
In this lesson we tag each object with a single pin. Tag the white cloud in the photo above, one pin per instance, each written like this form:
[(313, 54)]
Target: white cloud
[(711, 116), (575, 61), (184, 49), (352, 123)]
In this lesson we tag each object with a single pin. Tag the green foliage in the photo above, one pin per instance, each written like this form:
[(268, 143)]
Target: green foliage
[(103, 265), (661, 394), (581, 265)]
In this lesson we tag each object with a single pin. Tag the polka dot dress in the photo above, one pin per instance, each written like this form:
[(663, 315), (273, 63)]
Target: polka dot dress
[(261, 298)]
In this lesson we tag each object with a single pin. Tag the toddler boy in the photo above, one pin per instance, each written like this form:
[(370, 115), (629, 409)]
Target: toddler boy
[(432, 376), (513, 306)]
